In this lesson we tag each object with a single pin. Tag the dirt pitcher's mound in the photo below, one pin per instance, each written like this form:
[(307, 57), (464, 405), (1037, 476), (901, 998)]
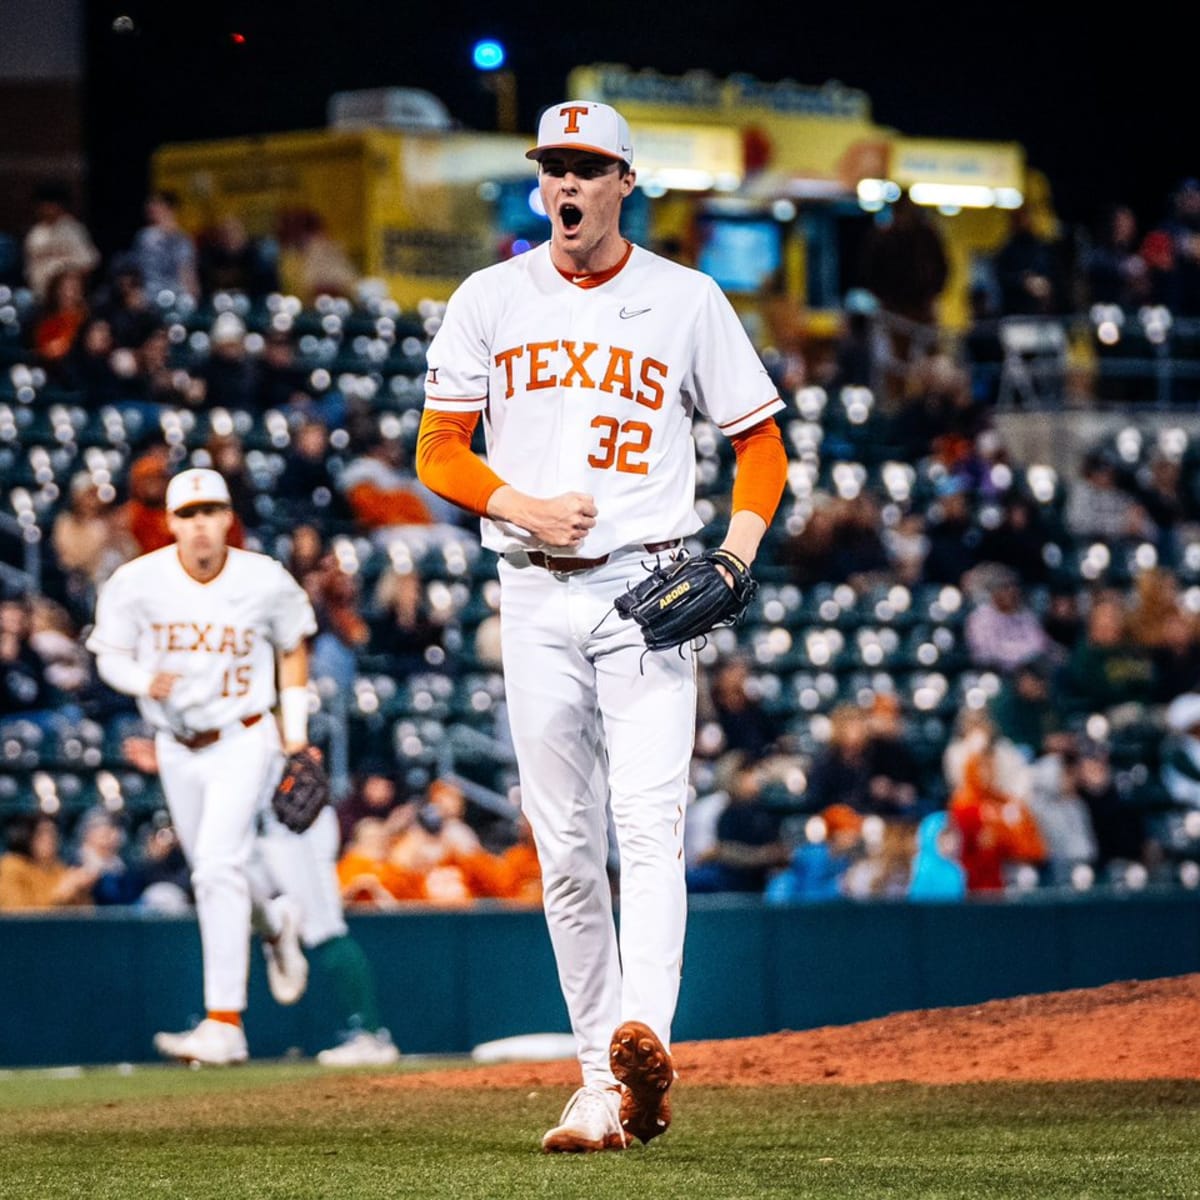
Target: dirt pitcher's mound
[(1137, 1030)]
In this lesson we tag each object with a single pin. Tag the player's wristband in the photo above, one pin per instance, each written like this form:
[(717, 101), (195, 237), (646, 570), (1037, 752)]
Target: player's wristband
[(122, 674), (293, 712)]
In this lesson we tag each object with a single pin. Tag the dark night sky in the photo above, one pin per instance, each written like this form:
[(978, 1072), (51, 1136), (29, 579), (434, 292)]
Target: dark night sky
[(1101, 108)]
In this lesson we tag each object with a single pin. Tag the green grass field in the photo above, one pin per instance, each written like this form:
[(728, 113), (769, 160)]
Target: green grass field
[(296, 1131)]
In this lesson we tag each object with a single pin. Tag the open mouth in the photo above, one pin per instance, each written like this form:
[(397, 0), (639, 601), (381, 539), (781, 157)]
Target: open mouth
[(570, 216)]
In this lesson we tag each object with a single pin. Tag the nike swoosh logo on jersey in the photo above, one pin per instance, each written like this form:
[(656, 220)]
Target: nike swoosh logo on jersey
[(637, 312)]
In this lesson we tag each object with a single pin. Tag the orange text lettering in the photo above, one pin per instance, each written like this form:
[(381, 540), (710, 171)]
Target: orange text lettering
[(538, 365), (505, 359), (578, 358), (650, 368), (620, 372)]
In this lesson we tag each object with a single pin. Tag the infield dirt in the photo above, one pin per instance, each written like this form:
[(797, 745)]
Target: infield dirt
[(1132, 1031)]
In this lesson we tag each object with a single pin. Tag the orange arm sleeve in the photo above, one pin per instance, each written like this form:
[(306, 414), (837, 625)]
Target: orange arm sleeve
[(446, 464), (762, 469)]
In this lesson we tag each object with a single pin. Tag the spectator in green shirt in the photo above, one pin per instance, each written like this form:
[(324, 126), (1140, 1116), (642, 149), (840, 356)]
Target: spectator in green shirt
[(1027, 712), (1106, 669)]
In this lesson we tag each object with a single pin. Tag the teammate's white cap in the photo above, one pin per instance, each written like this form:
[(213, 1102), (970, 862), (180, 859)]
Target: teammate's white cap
[(584, 125), (196, 486)]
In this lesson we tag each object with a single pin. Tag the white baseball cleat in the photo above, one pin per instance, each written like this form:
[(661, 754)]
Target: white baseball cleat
[(287, 968), (363, 1049), (591, 1121), (212, 1043)]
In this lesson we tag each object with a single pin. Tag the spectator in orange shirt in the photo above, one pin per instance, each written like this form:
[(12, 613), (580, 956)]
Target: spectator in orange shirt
[(422, 851), (521, 862), (380, 489), (997, 829), (62, 317), (432, 856), (145, 514), (367, 875), (445, 853)]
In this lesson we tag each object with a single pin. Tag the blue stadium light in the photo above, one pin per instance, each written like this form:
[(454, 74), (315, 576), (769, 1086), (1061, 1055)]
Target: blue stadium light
[(488, 55)]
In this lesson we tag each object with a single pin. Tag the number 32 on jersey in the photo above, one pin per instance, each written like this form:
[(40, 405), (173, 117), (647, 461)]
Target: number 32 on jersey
[(621, 442)]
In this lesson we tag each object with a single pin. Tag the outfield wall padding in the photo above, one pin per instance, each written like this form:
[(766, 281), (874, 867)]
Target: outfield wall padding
[(93, 988)]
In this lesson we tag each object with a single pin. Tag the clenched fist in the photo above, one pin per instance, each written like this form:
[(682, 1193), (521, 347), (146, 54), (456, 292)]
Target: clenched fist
[(560, 521)]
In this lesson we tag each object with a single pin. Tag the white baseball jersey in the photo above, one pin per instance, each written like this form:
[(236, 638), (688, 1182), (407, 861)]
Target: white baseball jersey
[(220, 636), (593, 389)]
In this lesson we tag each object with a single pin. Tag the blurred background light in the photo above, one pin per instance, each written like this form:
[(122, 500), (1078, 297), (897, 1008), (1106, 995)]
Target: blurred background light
[(488, 55)]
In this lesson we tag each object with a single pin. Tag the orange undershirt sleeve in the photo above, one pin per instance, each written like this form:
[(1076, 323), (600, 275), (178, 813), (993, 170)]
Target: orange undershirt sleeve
[(762, 469), (447, 465)]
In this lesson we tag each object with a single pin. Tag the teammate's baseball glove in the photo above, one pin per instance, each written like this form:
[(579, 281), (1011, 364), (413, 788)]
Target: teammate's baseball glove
[(688, 598), (302, 792)]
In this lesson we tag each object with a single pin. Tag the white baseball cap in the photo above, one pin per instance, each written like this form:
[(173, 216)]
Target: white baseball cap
[(196, 486), (584, 125)]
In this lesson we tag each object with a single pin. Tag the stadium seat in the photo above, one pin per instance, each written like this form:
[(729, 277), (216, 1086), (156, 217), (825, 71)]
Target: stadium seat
[(23, 744)]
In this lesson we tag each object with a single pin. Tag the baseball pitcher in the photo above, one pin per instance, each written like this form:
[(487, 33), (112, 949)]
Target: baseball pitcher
[(588, 358)]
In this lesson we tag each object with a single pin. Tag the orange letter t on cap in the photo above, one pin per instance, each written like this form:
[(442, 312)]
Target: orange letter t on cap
[(572, 112)]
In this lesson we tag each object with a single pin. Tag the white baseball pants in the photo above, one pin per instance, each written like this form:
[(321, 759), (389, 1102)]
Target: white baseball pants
[(597, 721), (304, 867), (214, 796)]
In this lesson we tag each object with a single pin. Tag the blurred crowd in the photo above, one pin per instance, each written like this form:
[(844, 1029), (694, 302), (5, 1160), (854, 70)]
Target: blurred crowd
[(396, 848), (1071, 759), (99, 868), (299, 258), (425, 849), (1042, 269), (1020, 802)]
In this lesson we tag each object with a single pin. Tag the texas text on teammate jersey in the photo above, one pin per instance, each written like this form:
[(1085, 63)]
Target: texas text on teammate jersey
[(220, 637)]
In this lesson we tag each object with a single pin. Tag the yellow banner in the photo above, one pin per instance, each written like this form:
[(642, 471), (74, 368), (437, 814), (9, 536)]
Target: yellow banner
[(788, 131), (404, 207), (942, 160), (695, 157)]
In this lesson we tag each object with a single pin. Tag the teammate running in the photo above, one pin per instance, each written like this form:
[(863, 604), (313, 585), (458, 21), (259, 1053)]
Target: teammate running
[(196, 631), (303, 867), (588, 358)]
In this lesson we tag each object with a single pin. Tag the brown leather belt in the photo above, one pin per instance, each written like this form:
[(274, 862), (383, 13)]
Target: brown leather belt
[(198, 741), (568, 566)]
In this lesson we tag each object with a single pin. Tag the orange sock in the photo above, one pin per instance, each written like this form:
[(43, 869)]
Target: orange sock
[(227, 1018)]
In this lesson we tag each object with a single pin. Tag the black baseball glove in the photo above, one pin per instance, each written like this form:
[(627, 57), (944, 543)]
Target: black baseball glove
[(303, 791), (688, 598)]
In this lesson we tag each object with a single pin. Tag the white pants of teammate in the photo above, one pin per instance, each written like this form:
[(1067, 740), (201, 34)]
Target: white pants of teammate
[(303, 866), (598, 722), (214, 796)]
